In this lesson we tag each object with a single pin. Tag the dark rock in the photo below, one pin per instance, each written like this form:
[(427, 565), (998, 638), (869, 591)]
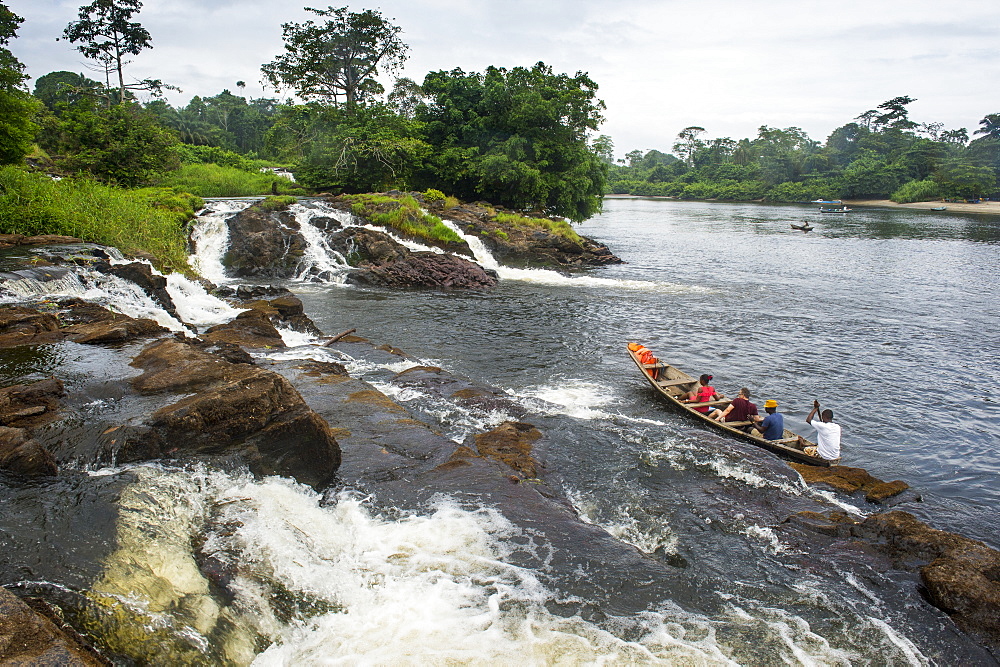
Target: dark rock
[(237, 411), (962, 577), (21, 455), (25, 326), (251, 328), (263, 242), (29, 638), (428, 269), (510, 443), (462, 391), (32, 405), (49, 239), (142, 275), (850, 480), (367, 247)]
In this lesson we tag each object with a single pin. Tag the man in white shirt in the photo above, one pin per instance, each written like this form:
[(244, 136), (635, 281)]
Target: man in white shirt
[(827, 435)]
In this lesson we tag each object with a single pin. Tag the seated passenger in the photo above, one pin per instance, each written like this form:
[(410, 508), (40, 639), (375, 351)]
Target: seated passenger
[(740, 410), (703, 393), (773, 425)]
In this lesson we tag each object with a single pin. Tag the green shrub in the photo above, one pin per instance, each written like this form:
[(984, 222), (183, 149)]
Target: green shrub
[(558, 227), (402, 213), (183, 204), (917, 191), (433, 195), (190, 154), (212, 180), (275, 202), (33, 204)]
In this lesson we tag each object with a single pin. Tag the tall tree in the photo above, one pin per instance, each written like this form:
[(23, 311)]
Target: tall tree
[(688, 143), (17, 131), (990, 126), (107, 35), (337, 60)]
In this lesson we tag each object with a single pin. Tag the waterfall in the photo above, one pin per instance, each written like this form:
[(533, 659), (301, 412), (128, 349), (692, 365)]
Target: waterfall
[(320, 263)]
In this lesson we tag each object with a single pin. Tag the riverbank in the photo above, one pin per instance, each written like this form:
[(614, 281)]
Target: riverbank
[(987, 208)]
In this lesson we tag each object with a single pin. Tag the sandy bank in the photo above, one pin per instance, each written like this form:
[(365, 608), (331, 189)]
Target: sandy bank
[(986, 207)]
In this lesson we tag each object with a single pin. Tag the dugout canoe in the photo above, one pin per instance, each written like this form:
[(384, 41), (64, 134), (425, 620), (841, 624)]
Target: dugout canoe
[(671, 382)]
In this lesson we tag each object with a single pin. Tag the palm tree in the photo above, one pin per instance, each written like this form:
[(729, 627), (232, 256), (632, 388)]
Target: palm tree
[(990, 126)]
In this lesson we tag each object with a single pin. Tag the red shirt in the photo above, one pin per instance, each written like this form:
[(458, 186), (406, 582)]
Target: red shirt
[(704, 395), (742, 408)]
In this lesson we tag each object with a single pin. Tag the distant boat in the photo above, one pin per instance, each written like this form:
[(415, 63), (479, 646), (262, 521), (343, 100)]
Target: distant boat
[(842, 209), (940, 208), (826, 201), (804, 227)]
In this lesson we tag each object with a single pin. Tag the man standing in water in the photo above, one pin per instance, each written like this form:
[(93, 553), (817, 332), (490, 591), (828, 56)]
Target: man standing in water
[(827, 435)]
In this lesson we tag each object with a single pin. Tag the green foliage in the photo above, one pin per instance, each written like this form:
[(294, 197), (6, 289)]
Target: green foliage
[(558, 227), (212, 180), (123, 144), (339, 58), (917, 191), (870, 176), (368, 150), (57, 89), (275, 202), (432, 195), (17, 108), (33, 204), (515, 137), (403, 214), (182, 204), (190, 154), (960, 178)]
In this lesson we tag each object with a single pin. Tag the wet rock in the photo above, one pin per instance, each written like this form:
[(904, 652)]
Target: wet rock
[(29, 638), (962, 577), (142, 275), (31, 405), (510, 443), (21, 455), (263, 242), (366, 247), (850, 480), (237, 411), (428, 269), (462, 391), (20, 325), (251, 328), (119, 329)]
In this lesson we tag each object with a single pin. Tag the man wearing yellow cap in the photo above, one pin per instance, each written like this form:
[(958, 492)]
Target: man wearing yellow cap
[(773, 426)]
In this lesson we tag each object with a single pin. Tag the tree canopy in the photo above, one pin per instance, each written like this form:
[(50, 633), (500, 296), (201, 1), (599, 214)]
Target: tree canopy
[(336, 61), (17, 108)]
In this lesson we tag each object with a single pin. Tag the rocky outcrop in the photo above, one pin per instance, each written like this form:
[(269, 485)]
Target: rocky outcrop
[(263, 242), (142, 275), (258, 326), (464, 392), (29, 638), (427, 269), (851, 480), (21, 455), (961, 576), (11, 240), (31, 405), (510, 443), (235, 411), (71, 319), (382, 261)]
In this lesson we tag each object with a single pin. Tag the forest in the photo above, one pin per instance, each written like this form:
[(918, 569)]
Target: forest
[(524, 138)]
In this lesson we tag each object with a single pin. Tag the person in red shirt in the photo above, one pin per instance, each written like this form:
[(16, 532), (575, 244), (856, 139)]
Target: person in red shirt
[(702, 394), (740, 410)]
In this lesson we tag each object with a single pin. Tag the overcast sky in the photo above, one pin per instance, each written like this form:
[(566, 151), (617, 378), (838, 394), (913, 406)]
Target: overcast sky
[(662, 65)]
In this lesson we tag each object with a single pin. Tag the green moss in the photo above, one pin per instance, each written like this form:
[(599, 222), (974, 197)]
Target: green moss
[(402, 213), (558, 227), (274, 202), (33, 204)]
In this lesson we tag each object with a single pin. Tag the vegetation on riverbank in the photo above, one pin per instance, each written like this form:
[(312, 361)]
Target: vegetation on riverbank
[(148, 221), (402, 213), (882, 154)]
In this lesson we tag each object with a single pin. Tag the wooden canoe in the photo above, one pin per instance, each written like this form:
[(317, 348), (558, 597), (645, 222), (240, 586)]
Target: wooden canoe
[(672, 383)]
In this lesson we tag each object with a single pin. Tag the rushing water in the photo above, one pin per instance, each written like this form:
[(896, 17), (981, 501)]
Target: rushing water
[(887, 317)]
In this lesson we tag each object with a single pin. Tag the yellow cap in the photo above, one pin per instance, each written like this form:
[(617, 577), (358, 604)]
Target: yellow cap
[(770, 403)]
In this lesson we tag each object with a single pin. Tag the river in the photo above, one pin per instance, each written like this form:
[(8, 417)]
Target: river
[(886, 316)]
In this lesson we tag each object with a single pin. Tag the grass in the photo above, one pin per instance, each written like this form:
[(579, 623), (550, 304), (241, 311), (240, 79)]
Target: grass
[(402, 214), (212, 180), (558, 227), (33, 204), (274, 202)]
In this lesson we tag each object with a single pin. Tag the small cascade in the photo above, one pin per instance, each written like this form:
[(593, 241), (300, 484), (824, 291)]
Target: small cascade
[(210, 238), (547, 276), (320, 263)]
